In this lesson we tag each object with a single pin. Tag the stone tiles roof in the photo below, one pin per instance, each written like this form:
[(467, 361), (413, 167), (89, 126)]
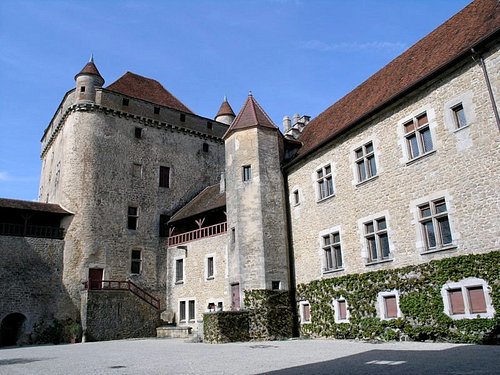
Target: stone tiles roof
[(209, 199), (251, 115), (147, 89), (450, 41), (225, 109), (32, 206), (91, 69)]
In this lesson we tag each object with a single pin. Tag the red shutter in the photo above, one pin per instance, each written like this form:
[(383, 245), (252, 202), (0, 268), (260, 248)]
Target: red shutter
[(476, 298), (456, 301), (342, 310), (391, 308)]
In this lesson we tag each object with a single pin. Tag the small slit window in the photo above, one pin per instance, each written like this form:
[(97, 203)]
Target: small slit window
[(125, 102), (247, 173), (138, 133), (183, 117), (156, 110), (209, 125), (82, 89), (205, 147)]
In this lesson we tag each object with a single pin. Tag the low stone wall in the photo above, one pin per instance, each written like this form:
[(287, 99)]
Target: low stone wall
[(226, 326), (117, 314)]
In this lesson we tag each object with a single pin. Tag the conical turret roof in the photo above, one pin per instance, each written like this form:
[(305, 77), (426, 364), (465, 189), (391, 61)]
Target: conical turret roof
[(251, 115), (225, 109), (90, 69)]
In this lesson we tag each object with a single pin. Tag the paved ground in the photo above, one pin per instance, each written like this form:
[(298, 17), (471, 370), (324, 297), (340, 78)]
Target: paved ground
[(174, 356)]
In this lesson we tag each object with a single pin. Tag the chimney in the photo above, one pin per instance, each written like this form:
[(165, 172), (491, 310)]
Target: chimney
[(287, 123)]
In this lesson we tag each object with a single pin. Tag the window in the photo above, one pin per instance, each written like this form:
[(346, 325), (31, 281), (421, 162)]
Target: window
[(182, 311), (305, 312), (467, 299), (205, 147), (275, 285), (377, 241), (164, 177), (209, 125), (296, 197), (341, 313), (324, 181), (192, 310), (133, 216), (164, 225), (183, 117), (388, 305), (418, 136), (365, 162), (332, 252), (233, 235), (125, 102), (435, 225), (156, 110), (138, 133), (179, 270), (82, 89), (210, 267), (459, 116), (135, 262), (137, 170), (247, 172)]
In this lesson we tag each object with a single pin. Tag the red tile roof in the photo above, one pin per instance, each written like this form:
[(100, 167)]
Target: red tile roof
[(209, 199), (457, 36), (32, 206), (147, 89), (251, 115), (91, 69), (225, 109)]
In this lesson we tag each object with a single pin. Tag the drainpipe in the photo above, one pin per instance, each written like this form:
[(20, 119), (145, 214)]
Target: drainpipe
[(479, 58)]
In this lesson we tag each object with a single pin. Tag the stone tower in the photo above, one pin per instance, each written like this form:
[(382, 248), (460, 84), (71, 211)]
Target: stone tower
[(257, 255), (226, 114), (87, 81)]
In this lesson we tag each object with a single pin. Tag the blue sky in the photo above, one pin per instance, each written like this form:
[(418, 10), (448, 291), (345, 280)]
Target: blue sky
[(294, 55)]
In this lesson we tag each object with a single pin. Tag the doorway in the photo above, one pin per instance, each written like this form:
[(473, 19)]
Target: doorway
[(235, 296), (95, 278), (11, 329)]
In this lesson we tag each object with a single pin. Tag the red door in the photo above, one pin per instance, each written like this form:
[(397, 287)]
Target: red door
[(95, 278), (235, 297)]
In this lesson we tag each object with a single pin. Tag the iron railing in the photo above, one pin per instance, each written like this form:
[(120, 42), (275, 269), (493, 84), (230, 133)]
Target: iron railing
[(211, 231), (104, 285)]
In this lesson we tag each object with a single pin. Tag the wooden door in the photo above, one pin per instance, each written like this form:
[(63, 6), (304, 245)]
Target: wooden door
[(235, 297), (95, 278)]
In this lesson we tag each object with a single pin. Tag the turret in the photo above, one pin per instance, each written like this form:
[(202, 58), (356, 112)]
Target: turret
[(87, 81), (225, 114)]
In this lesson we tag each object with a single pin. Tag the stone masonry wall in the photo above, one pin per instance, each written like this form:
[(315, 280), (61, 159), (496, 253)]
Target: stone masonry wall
[(463, 168)]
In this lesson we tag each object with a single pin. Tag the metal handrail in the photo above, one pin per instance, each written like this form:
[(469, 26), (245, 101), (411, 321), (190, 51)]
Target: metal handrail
[(105, 285), (211, 231)]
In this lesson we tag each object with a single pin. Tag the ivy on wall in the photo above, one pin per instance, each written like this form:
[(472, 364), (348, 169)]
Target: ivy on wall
[(420, 302)]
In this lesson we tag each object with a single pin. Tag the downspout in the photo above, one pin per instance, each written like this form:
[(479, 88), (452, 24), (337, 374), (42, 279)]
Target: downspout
[(480, 60), (291, 259)]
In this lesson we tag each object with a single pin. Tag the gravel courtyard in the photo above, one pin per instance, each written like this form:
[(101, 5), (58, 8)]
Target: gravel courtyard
[(175, 356)]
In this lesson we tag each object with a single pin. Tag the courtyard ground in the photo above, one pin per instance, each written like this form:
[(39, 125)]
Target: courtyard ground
[(175, 356)]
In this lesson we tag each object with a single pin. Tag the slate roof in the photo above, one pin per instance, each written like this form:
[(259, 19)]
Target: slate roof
[(251, 115), (91, 69), (225, 109), (209, 199), (147, 89), (32, 206), (450, 41)]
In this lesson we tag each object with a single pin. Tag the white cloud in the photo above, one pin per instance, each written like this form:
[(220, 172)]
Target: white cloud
[(318, 45)]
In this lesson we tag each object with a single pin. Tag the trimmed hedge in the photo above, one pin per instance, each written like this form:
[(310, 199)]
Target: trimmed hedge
[(225, 326), (420, 302)]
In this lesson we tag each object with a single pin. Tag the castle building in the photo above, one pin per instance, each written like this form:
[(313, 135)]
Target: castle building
[(167, 211)]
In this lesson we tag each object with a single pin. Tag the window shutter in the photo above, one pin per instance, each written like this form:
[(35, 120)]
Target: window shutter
[(342, 310), (391, 308), (456, 301), (307, 313), (476, 298)]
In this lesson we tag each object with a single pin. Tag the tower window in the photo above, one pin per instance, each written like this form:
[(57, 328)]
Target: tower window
[(125, 102), (164, 177), (133, 216), (205, 147), (138, 133), (156, 110), (209, 125), (247, 172), (183, 117), (82, 89), (135, 263)]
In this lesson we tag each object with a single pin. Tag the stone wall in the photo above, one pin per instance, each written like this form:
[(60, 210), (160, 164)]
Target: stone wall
[(463, 169), (114, 315), (31, 280)]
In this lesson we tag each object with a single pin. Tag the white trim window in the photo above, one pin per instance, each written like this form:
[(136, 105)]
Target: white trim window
[(377, 240), (459, 116), (388, 305), (332, 252), (305, 312), (179, 270), (341, 310), (435, 225), (187, 311), (324, 182), (418, 136), (467, 299), (366, 165)]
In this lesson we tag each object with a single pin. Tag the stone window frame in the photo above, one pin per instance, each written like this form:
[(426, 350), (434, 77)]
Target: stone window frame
[(415, 206), (464, 99), (325, 176), (186, 301), (365, 251), (381, 304), (435, 218), (133, 217), (214, 271), (246, 173), (364, 160), (137, 170), (336, 310), (177, 280), (404, 136), (329, 232), (302, 306), (136, 260), (464, 285), (138, 132), (165, 177)]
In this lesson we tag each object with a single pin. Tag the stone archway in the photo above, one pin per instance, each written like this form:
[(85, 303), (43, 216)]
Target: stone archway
[(11, 329)]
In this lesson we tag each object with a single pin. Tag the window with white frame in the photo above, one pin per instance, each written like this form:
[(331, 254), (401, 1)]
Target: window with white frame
[(210, 270), (435, 225), (187, 311), (341, 312), (332, 252), (377, 240), (182, 311), (388, 305), (324, 180), (179, 270), (305, 312), (366, 166), (467, 299), (418, 136)]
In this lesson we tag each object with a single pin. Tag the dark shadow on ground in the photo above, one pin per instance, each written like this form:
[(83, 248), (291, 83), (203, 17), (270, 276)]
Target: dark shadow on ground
[(17, 361), (470, 359)]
